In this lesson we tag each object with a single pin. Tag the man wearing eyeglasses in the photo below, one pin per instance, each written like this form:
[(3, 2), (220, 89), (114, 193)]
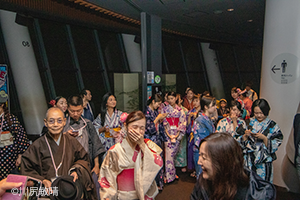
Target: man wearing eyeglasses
[(54, 154), (84, 131)]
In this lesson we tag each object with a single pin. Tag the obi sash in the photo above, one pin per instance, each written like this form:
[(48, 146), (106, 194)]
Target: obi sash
[(111, 132), (125, 180), (6, 138), (173, 121)]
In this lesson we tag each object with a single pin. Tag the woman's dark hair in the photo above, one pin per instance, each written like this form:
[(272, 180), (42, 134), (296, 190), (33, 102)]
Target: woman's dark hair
[(196, 96), (206, 101), (228, 166), (237, 104), (103, 106), (190, 89), (58, 98), (234, 89), (134, 116), (156, 97), (263, 105), (172, 94)]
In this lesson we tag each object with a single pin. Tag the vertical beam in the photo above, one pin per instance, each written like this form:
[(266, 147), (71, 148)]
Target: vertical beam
[(203, 67), (75, 58), (101, 61), (237, 65), (151, 50), (124, 58), (25, 70), (46, 67), (184, 65)]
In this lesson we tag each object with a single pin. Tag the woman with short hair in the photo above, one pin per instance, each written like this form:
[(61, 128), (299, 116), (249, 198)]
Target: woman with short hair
[(261, 141)]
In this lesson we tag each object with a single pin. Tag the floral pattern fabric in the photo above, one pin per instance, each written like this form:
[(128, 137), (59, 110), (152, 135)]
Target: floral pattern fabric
[(112, 121), (226, 125), (181, 160), (172, 148), (258, 156)]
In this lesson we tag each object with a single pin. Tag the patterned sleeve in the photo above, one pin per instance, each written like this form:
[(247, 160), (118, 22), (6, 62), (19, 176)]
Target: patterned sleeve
[(150, 126), (20, 137), (97, 123), (108, 175), (119, 115), (221, 127), (182, 122)]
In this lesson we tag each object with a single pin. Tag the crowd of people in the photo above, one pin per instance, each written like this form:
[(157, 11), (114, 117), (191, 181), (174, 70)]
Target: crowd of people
[(229, 149)]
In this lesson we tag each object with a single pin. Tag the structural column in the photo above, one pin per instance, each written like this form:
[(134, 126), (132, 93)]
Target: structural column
[(213, 71), (280, 83), (133, 53), (25, 71), (151, 51)]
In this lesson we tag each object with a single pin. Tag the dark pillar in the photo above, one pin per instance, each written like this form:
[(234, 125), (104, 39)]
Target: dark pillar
[(151, 51)]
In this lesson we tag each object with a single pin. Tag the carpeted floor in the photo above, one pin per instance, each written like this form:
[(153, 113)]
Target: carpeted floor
[(182, 188)]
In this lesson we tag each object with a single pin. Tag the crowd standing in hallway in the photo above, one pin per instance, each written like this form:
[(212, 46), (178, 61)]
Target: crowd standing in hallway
[(114, 155)]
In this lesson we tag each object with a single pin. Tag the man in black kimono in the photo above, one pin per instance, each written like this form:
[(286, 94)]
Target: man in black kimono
[(55, 153)]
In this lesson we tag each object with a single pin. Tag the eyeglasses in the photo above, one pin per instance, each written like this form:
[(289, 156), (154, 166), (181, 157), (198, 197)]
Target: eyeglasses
[(52, 121)]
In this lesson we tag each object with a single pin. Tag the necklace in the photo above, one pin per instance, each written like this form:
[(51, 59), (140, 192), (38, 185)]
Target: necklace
[(62, 158)]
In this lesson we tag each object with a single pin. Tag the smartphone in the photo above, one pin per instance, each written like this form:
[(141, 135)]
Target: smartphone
[(75, 131), (15, 193)]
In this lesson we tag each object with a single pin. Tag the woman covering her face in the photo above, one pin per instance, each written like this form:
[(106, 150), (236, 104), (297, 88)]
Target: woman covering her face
[(232, 123), (261, 141), (224, 175), (175, 125), (130, 167)]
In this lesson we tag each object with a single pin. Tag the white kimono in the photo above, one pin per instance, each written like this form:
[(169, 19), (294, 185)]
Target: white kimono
[(129, 174)]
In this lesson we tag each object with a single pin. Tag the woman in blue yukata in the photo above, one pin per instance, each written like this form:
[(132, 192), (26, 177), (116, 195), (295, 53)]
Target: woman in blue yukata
[(155, 130), (203, 126), (108, 123), (261, 141), (233, 122), (175, 125), (191, 116)]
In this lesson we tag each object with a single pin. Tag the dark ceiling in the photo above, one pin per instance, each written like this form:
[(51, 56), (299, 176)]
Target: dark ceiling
[(208, 20)]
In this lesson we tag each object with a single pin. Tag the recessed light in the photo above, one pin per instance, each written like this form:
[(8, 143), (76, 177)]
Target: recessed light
[(230, 9), (250, 20)]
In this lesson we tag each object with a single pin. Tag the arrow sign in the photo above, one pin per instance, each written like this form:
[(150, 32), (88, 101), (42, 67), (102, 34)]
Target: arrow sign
[(273, 69)]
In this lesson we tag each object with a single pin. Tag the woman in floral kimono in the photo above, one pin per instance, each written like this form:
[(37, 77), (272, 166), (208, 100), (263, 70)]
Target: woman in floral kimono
[(108, 123), (261, 141), (175, 125), (130, 167), (180, 159), (191, 116), (203, 126), (233, 122), (13, 142), (155, 130)]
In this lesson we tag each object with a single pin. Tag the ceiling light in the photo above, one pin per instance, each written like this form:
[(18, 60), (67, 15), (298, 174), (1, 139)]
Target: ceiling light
[(250, 20), (230, 9)]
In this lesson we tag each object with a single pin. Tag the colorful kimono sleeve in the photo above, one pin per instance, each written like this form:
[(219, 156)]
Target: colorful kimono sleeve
[(182, 122), (221, 127), (150, 126), (22, 140), (108, 176), (97, 123), (263, 153)]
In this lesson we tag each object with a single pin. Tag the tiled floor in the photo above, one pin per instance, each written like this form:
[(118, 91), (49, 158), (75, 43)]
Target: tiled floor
[(182, 188)]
